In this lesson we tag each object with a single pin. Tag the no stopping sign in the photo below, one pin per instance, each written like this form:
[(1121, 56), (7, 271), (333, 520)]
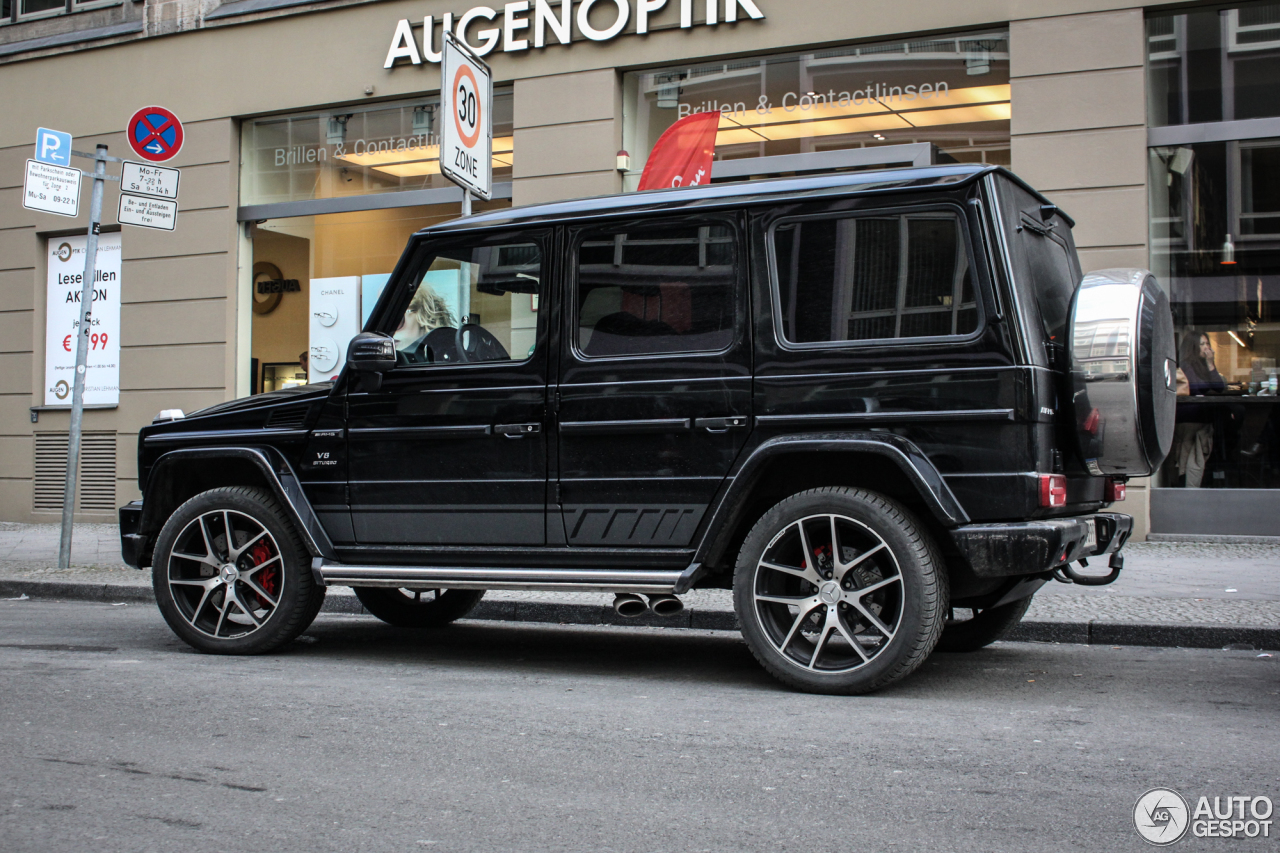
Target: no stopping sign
[(466, 133)]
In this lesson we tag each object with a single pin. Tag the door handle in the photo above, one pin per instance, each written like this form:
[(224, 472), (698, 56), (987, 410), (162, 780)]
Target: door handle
[(517, 430), (721, 424)]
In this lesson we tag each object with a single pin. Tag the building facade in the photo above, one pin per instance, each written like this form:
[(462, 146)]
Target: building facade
[(311, 154)]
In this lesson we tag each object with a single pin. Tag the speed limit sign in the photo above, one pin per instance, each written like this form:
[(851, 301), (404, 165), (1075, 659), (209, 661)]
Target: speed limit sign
[(466, 124)]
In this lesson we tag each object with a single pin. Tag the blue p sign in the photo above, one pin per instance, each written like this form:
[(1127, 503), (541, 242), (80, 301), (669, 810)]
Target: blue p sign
[(53, 146)]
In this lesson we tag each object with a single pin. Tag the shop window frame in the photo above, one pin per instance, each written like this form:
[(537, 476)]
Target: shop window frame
[(70, 7)]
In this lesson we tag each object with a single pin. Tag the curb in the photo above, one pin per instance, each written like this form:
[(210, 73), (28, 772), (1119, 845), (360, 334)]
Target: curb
[(1094, 633)]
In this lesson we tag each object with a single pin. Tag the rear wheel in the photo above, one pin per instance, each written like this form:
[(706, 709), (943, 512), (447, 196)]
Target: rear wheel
[(231, 575), (839, 590), (418, 608), (969, 630)]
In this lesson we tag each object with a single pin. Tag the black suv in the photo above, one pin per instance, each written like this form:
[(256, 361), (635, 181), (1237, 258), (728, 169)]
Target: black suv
[(883, 408)]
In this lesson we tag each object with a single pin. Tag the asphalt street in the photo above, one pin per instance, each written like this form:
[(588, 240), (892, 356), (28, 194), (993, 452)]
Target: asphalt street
[(114, 736)]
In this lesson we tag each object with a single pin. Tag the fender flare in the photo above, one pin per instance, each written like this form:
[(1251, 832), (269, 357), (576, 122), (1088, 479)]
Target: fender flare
[(275, 469), (909, 459)]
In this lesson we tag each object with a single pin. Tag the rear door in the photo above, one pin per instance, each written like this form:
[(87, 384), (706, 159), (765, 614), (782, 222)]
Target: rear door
[(654, 396)]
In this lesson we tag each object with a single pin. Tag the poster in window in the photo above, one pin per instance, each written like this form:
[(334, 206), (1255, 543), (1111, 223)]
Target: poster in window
[(62, 322)]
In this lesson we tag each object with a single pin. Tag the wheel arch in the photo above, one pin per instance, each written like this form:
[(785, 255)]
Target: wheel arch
[(881, 462), (182, 474)]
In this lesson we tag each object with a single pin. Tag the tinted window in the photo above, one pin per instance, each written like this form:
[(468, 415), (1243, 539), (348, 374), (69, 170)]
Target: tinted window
[(662, 289), (874, 277), (1052, 278), (472, 303)]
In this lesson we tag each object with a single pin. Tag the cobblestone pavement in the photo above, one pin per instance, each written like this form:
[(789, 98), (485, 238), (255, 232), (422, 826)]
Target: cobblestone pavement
[(1163, 582)]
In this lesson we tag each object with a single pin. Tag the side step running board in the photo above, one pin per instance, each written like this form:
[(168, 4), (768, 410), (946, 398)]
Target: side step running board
[(572, 580)]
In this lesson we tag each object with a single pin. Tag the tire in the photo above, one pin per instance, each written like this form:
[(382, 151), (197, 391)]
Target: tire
[(253, 598), (408, 608), (986, 626), (879, 609)]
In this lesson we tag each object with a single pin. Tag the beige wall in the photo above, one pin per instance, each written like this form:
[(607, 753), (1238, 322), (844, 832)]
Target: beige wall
[(1077, 128), (178, 301), (1079, 136)]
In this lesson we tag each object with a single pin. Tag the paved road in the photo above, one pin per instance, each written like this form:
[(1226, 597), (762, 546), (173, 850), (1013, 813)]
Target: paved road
[(492, 737)]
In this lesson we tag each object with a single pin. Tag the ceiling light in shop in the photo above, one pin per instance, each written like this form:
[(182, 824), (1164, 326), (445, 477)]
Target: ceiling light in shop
[(422, 159), (865, 124)]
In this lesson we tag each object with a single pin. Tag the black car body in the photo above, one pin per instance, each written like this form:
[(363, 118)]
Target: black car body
[(906, 333)]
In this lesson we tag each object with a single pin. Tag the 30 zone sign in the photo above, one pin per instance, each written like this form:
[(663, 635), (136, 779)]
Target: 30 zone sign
[(466, 124)]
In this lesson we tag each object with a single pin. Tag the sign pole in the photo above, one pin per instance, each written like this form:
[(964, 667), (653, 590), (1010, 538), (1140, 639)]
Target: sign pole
[(466, 202), (82, 356)]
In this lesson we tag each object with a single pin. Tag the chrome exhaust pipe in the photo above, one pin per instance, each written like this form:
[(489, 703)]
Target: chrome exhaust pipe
[(629, 605), (665, 605)]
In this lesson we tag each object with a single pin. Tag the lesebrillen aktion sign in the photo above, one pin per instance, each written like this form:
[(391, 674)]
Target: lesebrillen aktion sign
[(62, 321)]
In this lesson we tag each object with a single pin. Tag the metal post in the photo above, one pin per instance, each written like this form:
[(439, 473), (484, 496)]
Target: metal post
[(82, 356), (466, 202)]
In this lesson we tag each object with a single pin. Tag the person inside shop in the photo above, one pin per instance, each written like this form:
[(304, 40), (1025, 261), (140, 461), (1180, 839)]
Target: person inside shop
[(304, 358), (427, 312), (1193, 434)]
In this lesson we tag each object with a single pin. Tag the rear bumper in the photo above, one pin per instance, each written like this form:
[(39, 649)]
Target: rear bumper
[(132, 543), (1032, 547)]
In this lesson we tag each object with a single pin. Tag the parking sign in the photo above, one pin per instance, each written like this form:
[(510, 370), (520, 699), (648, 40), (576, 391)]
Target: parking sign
[(53, 147), (466, 128)]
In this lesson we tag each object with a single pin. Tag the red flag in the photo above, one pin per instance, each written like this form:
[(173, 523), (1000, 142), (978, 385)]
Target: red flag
[(682, 157)]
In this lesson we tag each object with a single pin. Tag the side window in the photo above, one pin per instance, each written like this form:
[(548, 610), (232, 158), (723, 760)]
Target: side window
[(472, 303), (656, 289), (874, 277)]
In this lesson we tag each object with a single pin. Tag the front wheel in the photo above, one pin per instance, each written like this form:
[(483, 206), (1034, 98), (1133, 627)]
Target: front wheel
[(418, 608), (231, 575), (839, 590)]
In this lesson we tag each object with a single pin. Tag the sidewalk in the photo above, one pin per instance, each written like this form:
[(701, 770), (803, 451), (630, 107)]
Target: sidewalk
[(1191, 594)]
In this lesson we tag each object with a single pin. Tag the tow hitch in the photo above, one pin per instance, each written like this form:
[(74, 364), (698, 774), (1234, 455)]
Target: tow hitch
[(1066, 574)]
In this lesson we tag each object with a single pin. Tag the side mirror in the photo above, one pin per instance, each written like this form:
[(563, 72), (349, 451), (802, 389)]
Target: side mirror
[(371, 352), (369, 355)]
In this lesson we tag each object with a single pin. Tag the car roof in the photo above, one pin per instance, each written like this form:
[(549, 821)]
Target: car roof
[(690, 199)]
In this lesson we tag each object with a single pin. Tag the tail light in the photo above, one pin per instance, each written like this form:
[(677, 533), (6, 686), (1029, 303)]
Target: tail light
[(1114, 491), (1053, 490)]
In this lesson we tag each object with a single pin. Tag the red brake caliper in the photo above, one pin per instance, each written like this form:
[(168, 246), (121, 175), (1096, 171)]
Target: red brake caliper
[(267, 578)]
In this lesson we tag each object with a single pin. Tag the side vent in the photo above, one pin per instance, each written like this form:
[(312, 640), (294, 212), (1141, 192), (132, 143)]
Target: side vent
[(287, 419), (95, 483)]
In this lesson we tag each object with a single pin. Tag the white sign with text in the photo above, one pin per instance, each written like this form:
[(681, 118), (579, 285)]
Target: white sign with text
[(51, 189), (62, 321), (147, 212), (149, 179), (466, 120)]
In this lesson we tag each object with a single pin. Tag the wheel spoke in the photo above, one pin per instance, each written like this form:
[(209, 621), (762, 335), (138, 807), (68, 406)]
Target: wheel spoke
[(822, 641), (243, 609), (804, 574), (860, 558), (797, 600), (795, 627), (857, 647), (262, 593), (208, 541), (193, 558), (857, 594), (222, 614), (238, 551), (254, 570), (809, 559), (873, 619)]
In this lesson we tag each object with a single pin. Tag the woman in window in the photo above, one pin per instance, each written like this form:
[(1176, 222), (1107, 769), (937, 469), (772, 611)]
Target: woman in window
[(427, 311), (1193, 434)]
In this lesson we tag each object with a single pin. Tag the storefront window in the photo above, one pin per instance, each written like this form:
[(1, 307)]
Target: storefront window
[(317, 279), (952, 91), (356, 151), (1215, 244), (1214, 65)]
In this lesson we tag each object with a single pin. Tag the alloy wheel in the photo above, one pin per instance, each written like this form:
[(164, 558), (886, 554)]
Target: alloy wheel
[(225, 574), (828, 593)]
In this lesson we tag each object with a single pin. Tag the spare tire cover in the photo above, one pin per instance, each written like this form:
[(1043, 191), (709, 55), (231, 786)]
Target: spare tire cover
[(1124, 372)]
